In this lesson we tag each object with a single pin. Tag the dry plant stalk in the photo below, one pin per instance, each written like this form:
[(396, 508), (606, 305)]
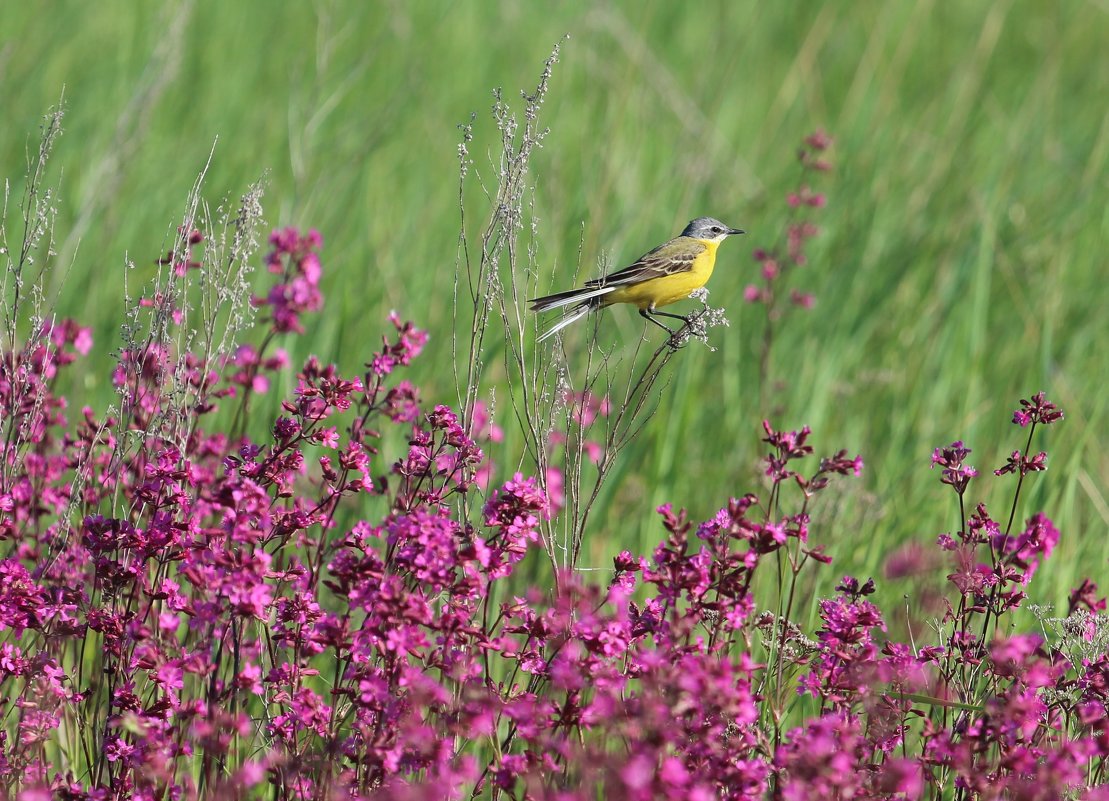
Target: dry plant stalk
[(549, 388), (197, 304), (25, 313)]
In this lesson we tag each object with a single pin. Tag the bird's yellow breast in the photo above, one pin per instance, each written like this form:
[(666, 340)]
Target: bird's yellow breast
[(667, 289)]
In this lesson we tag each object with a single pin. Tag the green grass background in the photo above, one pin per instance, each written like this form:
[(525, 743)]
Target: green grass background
[(962, 261)]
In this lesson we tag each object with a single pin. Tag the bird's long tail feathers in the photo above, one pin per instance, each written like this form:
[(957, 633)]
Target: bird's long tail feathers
[(569, 318), (586, 299), (548, 302)]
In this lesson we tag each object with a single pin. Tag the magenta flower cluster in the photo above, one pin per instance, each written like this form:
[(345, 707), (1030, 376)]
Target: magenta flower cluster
[(296, 259), (303, 616)]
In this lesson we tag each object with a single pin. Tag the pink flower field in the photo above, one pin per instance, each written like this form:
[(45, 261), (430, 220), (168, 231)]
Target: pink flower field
[(188, 612)]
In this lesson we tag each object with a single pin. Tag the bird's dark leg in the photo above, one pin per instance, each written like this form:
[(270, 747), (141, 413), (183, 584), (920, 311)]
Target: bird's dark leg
[(646, 314), (675, 316)]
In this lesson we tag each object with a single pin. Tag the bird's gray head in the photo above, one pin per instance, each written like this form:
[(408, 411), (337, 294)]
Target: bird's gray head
[(709, 228)]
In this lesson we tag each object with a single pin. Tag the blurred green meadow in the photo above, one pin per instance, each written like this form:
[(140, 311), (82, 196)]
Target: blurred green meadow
[(961, 265)]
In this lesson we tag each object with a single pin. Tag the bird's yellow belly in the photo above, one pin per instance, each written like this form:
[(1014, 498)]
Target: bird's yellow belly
[(668, 288)]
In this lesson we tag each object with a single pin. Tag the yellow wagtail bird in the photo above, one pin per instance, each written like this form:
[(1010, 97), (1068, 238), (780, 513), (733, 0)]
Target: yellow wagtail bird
[(667, 274)]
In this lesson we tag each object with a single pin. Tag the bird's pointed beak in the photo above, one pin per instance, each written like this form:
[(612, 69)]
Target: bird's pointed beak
[(734, 231)]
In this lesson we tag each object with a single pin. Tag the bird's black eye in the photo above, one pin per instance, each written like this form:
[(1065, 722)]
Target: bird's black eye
[(716, 229)]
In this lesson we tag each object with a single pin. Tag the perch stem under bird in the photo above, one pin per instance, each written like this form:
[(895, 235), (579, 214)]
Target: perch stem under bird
[(667, 274)]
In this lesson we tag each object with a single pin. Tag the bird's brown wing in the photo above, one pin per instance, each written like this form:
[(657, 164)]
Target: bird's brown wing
[(676, 256)]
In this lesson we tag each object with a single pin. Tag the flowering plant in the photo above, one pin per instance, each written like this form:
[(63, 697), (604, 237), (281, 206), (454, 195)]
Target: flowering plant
[(206, 619)]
